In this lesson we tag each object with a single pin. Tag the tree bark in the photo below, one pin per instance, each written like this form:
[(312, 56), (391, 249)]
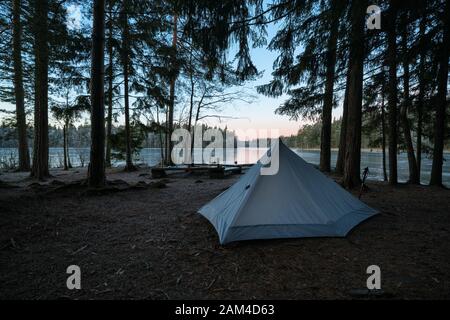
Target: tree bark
[(412, 164), (161, 144), (40, 148), (66, 167), (166, 137), (420, 98), (356, 60), (325, 141), (172, 93), (126, 64), (392, 91), (343, 132), (383, 133), (69, 164), (110, 89), (191, 106), (441, 102), (24, 154), (96, 172)]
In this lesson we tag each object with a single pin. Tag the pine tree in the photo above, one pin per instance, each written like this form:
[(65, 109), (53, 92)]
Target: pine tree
[(392, 90), (96, 172), (355, 83), (40, 150), (325, 146), (110, 72), (441, 99), (24, 156), (412, 164)]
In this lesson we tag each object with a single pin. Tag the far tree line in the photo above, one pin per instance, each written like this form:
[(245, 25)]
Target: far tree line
[(71, 138), (309, 137), (138, 58)]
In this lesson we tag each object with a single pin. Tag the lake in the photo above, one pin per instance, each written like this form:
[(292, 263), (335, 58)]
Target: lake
[(152, 156)]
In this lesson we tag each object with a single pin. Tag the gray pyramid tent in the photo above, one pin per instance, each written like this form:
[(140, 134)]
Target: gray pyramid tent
[(298, 201)]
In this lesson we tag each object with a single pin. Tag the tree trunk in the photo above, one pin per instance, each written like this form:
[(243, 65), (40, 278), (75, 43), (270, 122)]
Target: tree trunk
[(392, 92), (356, 60), (325, 141), (96, 172), (24, 154), (126, 64), (420, 98), (343, 132), (197, 116), (441, 102), (172, 94), (40, 148), (412, 164), (191, 106), (383, 133), (66, 167), (166, 137), (161, 144), (110, 89), (69, 164)]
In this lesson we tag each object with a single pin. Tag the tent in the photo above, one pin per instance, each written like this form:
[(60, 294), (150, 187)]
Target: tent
[(297, 201)]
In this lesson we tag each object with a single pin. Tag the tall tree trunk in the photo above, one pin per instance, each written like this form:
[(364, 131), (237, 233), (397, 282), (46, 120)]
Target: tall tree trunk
[(441, 102), (40, 148), (412, 164), (190, 122), (172, 92), (325, 141), (343, 133), (191, 105), (66, 167), (197, 117), (392, 91), (110, 89), (421, 96), (96, 172), (161, 144), (166, 137), (126, 64), (24, 154), (69, 164), (383, 133), (356, 61)]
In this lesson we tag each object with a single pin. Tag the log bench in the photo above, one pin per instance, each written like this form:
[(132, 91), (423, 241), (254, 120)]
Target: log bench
[(216, 172)]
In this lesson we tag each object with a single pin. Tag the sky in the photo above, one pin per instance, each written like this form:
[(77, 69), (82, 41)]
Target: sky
[(259, 115)]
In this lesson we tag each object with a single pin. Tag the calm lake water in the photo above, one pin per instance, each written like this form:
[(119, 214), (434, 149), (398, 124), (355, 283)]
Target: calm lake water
[(152, 156)]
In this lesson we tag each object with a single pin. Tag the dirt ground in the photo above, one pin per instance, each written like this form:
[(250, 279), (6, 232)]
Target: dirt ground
[(142, 239)]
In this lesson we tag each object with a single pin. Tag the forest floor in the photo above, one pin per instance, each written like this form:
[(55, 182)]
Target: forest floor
[(142, 239)]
